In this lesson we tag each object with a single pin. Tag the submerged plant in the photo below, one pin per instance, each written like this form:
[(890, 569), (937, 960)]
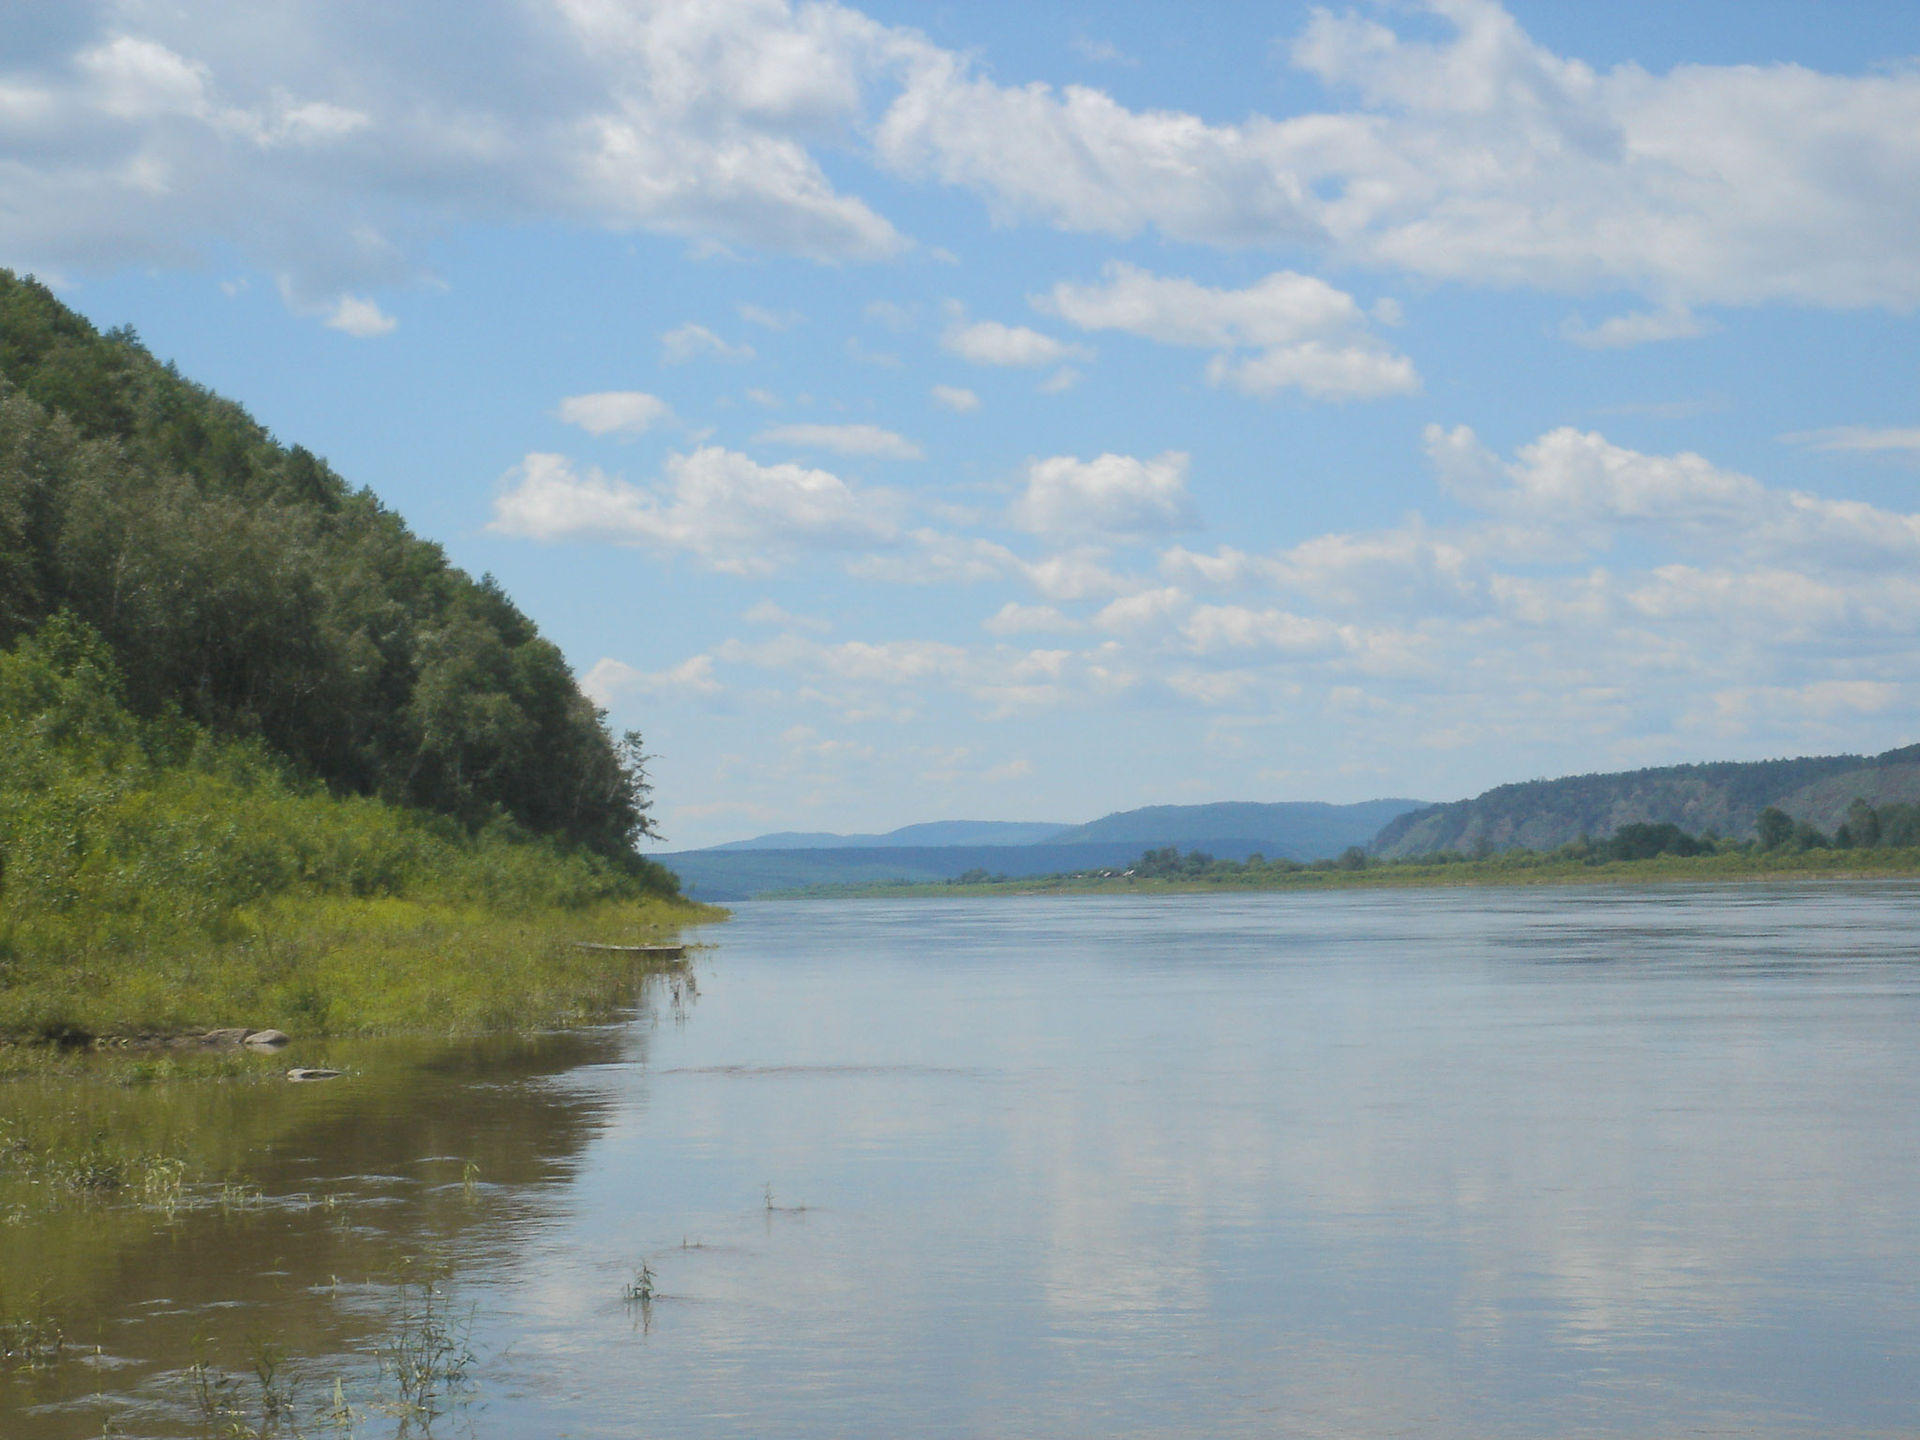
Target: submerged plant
[(32, 1339), (639, 1290), (425, 1354)]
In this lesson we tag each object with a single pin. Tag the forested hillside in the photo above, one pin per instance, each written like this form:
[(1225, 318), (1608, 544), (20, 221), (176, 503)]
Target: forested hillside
[(244, 586), (1724, 798)]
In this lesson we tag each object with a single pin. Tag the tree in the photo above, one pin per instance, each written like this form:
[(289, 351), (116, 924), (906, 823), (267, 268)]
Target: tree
[(1642, 841), (1861, 829), (1773, 828)]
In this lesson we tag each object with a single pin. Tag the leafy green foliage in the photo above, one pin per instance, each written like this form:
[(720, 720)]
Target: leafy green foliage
[(1773, 828), (242, 585), (1644, 842), (1724, 797), (156, 875)]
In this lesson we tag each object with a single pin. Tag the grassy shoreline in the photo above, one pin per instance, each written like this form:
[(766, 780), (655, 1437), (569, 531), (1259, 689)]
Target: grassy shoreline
[(1505, 869), (329, 965)]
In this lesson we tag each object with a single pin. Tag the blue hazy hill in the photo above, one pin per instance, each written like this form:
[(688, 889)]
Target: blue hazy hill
[(1296, 829), (943, 850), (930, 833)]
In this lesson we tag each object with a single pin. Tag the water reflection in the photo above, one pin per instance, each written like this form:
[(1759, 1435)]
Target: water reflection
[(1558, 1162), (323, 1257)]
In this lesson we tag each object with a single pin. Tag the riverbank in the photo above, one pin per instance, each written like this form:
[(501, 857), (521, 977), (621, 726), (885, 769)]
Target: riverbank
[(328, 965), (1513, 867)]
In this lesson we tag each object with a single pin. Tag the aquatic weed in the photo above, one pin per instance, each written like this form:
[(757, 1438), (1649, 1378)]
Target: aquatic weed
[(425, 1353), (639, 1290), (34, 1338)]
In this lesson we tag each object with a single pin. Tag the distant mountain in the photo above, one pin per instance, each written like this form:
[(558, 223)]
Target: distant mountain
[(1723, 797), (945, 849), (1294, 829), (929, 833)]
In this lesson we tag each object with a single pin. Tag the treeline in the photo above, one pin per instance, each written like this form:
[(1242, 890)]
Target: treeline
[(1867, 827), (244, 588), (1723, 798)]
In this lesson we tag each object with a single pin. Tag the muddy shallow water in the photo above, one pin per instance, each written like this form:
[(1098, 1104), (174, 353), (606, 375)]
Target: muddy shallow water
[(1531, 1163)]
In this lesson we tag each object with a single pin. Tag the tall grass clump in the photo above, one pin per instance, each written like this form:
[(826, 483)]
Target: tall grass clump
[(156, 878)]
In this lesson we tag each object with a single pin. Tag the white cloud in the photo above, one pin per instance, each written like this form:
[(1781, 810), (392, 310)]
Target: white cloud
[(1101, 52), (866, 677), (1282, 309), (1138, 611), (988, 342), (1078, 573), (1480, 157), (1061, 381), (890, 314), (845, 440), (1304, 332), (1868, 438), (1217, 627), (1639, 327), (608, 680), (331, 151), (167, 134), (614, 412), (766, 319), (1743, 616), (360, 318), (697, 342), (765, 612), (1113, 496), (1013, 618), (1326, 372), (956, 398), (734, 514)]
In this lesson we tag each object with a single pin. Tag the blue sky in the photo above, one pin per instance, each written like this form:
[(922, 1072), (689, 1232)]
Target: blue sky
[(1025, 412)]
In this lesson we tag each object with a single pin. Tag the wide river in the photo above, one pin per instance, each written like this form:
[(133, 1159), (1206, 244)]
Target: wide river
[(1548, 1162)]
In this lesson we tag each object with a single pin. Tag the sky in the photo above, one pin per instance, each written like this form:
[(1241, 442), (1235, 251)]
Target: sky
[(1025, 412)]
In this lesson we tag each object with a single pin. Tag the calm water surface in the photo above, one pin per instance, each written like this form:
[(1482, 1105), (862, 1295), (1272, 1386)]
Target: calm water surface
[(1566, 1162)]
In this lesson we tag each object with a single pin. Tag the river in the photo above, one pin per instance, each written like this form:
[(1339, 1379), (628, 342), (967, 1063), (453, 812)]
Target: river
[(1566, 1161)]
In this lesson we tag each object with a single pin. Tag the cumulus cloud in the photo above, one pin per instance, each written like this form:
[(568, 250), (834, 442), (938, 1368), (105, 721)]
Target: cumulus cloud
[(845, 440), (614, 412), (1480, 156), (1078, 572), (766, 319), (165, 134), (1302, 332), (1639, 327), (988, 342), (856, 675), (765, 612), (956, 398), (732, 513), (329, 143), (697, 342), (610, 680), (1013, 618), (1111, 496), (1742, 614), (360, 318)]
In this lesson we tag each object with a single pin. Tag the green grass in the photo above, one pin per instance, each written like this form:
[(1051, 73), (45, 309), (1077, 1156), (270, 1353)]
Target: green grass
[(341, 965), (1513, 867), (155, 880)]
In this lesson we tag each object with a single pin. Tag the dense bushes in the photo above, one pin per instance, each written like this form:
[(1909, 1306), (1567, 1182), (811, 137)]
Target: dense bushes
[(245, 587), (137, 854)]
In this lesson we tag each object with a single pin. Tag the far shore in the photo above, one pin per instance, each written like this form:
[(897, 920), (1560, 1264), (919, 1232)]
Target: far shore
[(1506, 868)]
